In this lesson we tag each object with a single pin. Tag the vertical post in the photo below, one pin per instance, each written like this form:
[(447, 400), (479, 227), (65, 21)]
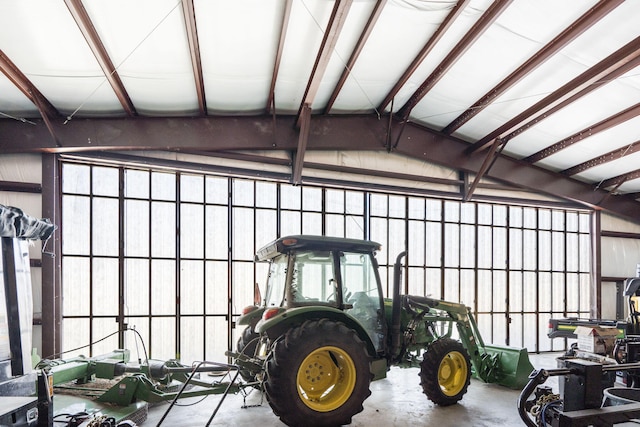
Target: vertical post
[(45, 399), (51, 265), (596, 266)]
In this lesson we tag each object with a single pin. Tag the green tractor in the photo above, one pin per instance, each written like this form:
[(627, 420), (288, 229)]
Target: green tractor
[(324, 332)]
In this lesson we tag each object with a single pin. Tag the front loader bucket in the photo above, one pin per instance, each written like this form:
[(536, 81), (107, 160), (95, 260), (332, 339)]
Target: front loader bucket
[(506, 366)]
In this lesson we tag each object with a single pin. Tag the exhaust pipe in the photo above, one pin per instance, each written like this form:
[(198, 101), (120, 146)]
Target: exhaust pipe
[(396, 307)]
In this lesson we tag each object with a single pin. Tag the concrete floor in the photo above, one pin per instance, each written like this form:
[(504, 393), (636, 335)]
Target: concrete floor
[(396, 401)]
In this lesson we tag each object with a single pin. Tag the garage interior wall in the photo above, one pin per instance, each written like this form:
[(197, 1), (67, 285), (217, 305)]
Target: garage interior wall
[(619, 255)]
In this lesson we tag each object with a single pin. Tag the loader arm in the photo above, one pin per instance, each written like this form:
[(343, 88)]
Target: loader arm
[(506, 366)]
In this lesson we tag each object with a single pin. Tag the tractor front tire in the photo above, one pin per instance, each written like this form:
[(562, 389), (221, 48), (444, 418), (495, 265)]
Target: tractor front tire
[(445, 372), (247, 344), (318, 374)]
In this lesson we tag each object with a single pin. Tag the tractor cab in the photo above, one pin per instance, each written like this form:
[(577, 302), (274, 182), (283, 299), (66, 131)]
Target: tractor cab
[(319, 272)]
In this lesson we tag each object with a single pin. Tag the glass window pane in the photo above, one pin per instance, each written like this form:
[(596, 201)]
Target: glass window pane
[(217, 190), (163, 229), (192, 231), (311, 199), (500, 248), (105, 287), (136, 184), (485, 247), (355, 202), (75, 178), (468, 246), (192, 287), (416, 243), (290, 223), (397, 206), (379, 205), (163, 186), (163, 287), (136, 225), (515, 249), (451, 211), (434, 210), (433, 243), (334, 225), (163, 331), (266, 194), (76, 289), (242, 192), (192, 188), (106, 236), (243, 234), (136, 286), (468, 213), (354, 227), (105, 181), (416, 208), (499, 215), (334, 200), (290, 196), (485, 214), (77, 214), (216, 289), (312, 223), (216, 230)]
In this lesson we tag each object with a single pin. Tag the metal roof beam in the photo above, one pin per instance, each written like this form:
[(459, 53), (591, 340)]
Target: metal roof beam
[(80, 15), (634, 147), (603, 125), (482, 25), (25, 85), (377, 10), (286, 14), (325, 133), (615, 65), (331, 35), (586, 21), (194, 50), (437, 35)]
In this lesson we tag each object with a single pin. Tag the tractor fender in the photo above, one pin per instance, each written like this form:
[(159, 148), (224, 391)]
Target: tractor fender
[(281, 323), (252, 317)]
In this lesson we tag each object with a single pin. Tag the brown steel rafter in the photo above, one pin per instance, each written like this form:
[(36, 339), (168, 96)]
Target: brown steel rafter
[(325, 133), (617, 181), (25, 85), (615, 65), (377, 10), (286, 14), (586, 21), (634, 147), (303, 139), (482, 25), (194, 51), (331, 35), (79, 13), (601, 126), (437, 35)]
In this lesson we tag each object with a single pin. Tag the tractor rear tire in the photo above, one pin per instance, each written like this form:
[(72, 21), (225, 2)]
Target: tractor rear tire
[(318, 374), (247, 344), (445, 372)]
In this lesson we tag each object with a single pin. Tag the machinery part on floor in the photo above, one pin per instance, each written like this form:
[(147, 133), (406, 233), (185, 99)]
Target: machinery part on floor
[(326, 282), (580, 402), (321, 366), (565, 328), (134, 384), (200, 367)]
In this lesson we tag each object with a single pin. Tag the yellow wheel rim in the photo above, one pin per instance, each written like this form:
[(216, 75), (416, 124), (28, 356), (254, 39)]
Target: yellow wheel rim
[(452, 373), (326, 378)]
